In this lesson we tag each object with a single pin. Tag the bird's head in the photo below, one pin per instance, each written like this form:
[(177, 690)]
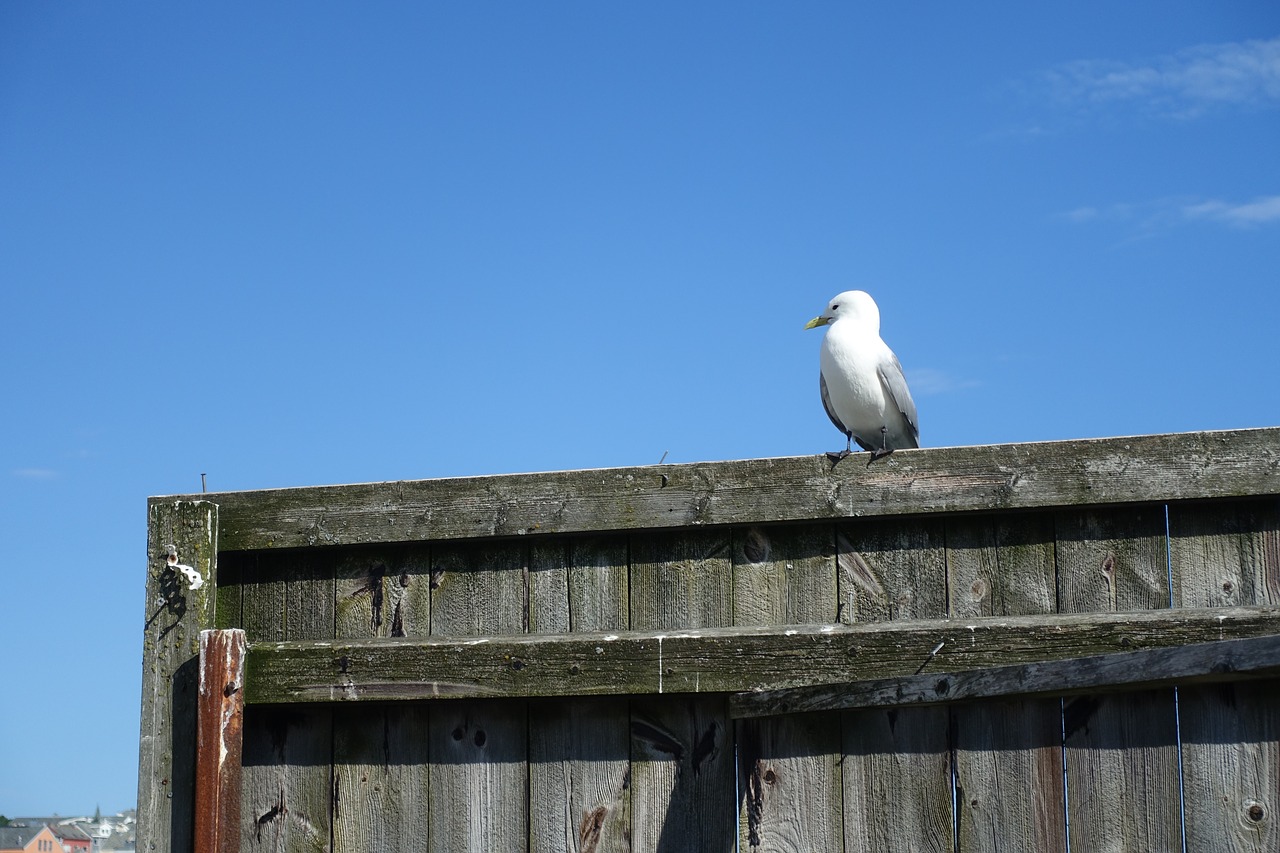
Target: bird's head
[(854, 306)]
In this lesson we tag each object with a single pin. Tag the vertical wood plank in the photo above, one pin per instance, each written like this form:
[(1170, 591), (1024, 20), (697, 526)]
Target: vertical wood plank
[(579, 762), (1121, 749), (1226, 554), (1008, 753), (380, 777), (599, 584), (683, 771), (380, 757), (681, 580), (383, 592), (579, 776), (174, 614), (287, 800), (897, 781), (219, 741), (895, 569), (479, 750), (233, 568), (788, 767)]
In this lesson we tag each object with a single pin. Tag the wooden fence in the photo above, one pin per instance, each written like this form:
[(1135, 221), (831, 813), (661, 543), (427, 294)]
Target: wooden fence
[(1038, 647)]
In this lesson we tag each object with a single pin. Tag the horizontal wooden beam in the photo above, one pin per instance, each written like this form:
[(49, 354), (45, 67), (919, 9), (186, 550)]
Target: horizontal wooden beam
[(1152, 468), (728, 660), (1198, 663)]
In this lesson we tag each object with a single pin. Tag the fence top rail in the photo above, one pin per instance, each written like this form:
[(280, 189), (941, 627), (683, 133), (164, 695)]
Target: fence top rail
[(1105, 471)]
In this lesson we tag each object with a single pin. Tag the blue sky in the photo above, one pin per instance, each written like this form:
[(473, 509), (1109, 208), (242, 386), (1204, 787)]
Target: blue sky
[(295, 244)]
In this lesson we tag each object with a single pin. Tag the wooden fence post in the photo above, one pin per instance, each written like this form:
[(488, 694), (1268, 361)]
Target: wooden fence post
[(182, 547), (219, 741)]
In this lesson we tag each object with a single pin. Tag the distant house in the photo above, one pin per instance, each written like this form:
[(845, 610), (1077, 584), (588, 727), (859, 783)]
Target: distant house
[(71, 837), (28, 839)]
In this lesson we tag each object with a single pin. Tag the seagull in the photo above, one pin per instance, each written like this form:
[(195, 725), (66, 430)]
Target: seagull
[(863, 389)]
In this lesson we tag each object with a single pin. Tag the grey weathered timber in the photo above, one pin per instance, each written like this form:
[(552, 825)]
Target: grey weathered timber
[(1119, 799), (380, 756), (552, 662), (219, 741), (287, 800), (682, 763), (286, 803), (479, 773), (788, 768), (1000, 566), (579, 752), (1198, 663), (1229, 554), (712, 660), (175, 616), (935, 480), (891, 571)]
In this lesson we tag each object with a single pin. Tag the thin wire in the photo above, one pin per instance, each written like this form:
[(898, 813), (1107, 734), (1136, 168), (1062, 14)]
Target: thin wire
[(1177, 709)]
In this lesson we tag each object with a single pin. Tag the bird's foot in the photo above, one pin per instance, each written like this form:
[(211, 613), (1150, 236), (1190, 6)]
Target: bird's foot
[(879, 453), (836, 456)]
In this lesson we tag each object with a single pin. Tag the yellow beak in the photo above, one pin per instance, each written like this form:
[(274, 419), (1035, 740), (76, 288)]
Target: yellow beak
[(816, 322)]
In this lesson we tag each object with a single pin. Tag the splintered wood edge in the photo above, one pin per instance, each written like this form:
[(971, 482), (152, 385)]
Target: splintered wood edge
[(719, 660), (1152, 468)]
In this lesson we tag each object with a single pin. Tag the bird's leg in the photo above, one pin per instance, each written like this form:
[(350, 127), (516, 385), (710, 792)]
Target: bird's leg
[(848, 448), (884, 449)]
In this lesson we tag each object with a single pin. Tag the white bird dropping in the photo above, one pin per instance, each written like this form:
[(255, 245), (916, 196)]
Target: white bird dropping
[(863, 389)]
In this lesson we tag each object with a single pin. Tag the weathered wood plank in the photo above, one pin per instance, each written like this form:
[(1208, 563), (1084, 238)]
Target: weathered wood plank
[(897, 781), (894, 569), (175, 615), (789, 768), (891, 569), (681, 580), (233, 566), (382, 592), (1197, 663), (717, 660), (219, 741), (682, 762), (1223, 555), (380, 777), (579, 760), (935, 480), (479, 750), (579, 776), (1123, 799), (1001, 566), (286, 803), (380, 759)]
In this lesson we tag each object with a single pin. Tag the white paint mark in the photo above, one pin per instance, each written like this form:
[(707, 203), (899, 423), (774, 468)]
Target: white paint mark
[(827, 629), (611, 637), (659, 663), (194, 579), (790, 632)]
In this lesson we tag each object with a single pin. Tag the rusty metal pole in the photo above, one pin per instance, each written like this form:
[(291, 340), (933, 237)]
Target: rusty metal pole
[(219, 741)]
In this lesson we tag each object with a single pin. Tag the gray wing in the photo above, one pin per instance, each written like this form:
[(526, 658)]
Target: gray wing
[(896, 384), (826, 404)]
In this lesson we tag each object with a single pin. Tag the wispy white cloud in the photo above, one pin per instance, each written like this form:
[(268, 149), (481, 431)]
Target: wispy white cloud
[(1257, 212), (1170, 212), (1183, 84), (35, 473)]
